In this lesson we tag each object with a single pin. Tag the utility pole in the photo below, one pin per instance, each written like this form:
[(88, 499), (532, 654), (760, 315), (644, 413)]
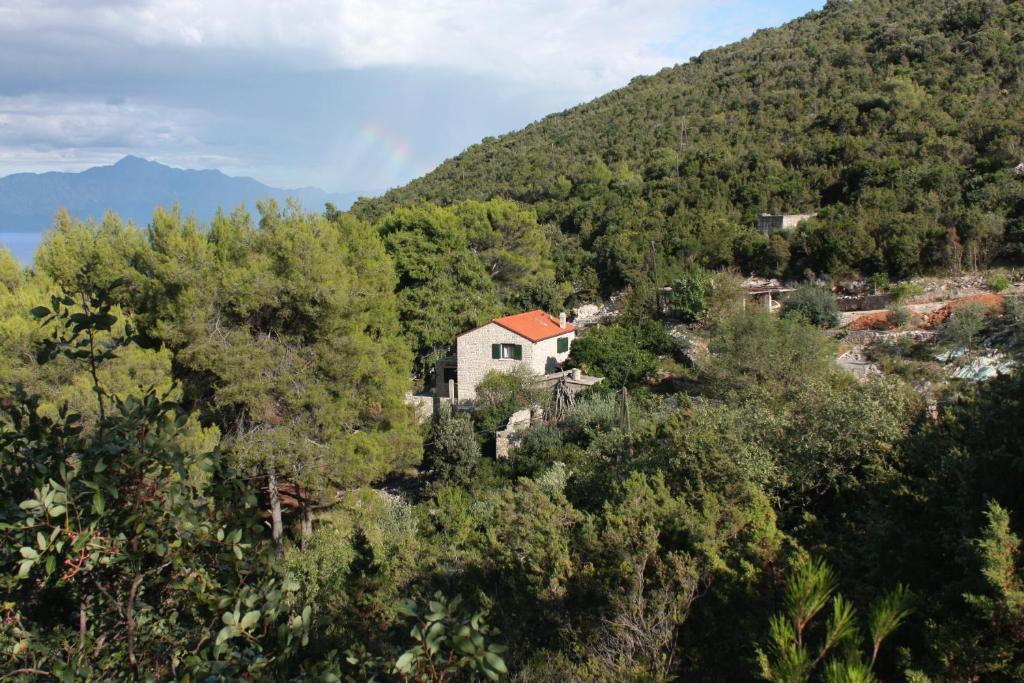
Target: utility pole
[(625, 421), (679, 154), (657, 281), (624, 410)]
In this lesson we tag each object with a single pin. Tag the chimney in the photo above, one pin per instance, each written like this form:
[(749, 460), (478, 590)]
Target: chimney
[(561, 320)]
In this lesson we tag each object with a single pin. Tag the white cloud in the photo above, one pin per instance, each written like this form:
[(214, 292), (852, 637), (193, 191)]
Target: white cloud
[(282, 89), (45, 131), (87, 124), (582, 44)]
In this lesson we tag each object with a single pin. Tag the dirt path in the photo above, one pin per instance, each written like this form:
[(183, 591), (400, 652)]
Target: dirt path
[(856, 363), (850, 317)]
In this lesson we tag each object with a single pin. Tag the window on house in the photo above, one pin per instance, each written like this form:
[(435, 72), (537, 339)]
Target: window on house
[(563, 344), (507, 351)]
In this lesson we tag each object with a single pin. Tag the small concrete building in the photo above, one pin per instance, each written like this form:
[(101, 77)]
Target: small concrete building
[(535, 339), (769, 223)]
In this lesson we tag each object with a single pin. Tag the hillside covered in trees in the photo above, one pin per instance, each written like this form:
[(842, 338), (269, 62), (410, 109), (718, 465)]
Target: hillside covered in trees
[(211, 474), (213, 470), (899, 122)]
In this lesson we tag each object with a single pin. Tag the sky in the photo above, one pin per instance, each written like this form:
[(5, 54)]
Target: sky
[(346, 95)]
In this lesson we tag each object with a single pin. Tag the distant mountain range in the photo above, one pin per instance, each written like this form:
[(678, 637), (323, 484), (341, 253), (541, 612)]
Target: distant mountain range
[(133, 187)]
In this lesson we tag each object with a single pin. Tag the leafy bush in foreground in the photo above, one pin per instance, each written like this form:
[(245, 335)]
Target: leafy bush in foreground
[(964, 324), (125, 556), (691, 293), (814, 303), (625, 353)]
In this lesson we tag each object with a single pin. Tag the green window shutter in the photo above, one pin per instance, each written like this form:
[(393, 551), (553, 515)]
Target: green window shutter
[(495, 350), (517, 351), (563, 344)]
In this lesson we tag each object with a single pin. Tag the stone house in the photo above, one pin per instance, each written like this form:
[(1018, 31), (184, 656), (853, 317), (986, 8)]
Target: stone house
[(768, 223), (535, 339)]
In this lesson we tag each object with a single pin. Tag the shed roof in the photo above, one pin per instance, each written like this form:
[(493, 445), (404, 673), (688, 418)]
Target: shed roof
[(535, 325)]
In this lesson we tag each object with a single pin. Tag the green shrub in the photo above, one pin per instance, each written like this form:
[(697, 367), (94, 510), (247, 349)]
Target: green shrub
[(997, 282), (905, 290), (816, 304), (756, 347), (539, 448), (499, 394), (1015, 308), (762, 254), (448, 641), (625, 354), (727, 297), (651, 336), (11, 272), (899, 315), (596, 413), (965, 324), (880, 282), (552, 481), (691, 294), (451, 449)]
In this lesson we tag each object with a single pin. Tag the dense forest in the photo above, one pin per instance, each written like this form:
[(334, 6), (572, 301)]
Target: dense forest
[(212, 471), (898, 122), (212, 474)]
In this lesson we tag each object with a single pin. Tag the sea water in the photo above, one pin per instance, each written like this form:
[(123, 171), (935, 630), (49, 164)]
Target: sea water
[(22, 244)]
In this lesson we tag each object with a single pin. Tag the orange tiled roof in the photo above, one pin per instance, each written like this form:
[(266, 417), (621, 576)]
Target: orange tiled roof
[(534, 325)]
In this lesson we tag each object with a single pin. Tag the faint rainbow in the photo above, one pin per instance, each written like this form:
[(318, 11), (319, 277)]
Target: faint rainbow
[(399, 152)]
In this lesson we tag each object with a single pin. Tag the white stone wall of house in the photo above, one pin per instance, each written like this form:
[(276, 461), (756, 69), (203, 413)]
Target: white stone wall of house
[(473, 351), (790, 221), (769, 223), (546, 357)]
